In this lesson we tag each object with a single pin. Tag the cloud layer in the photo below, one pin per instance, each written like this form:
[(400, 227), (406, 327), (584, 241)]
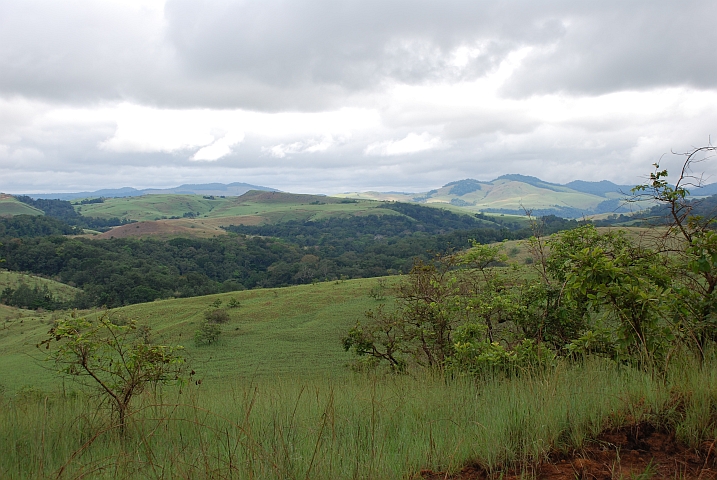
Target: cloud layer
[(319, 95)]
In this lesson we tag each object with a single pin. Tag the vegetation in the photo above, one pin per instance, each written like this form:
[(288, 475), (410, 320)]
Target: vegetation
[(64, 211), (599, 293), (117, 272), (117, 360), (352, 427), (30, 226), (510, 363)]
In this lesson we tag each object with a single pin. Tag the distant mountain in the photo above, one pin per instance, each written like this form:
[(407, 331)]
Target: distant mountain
[(600, 188), (232, 190), (514, 194)]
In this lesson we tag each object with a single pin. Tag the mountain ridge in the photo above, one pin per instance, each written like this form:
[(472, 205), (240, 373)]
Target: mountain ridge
[(231, 189)]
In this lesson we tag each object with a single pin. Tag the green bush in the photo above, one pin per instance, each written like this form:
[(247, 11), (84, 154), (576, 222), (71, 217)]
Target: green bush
[(216, 316)]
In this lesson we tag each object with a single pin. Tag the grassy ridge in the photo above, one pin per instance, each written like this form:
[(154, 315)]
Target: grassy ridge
[(269, 206), (10, 206), (286, 331), (59, 290)]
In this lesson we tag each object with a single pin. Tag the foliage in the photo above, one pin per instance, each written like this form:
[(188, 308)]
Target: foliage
[(592, 293), (207, 333), (216, 315), (64, 211), (378, 292), (30, 298), (28, 226), (112, 359)]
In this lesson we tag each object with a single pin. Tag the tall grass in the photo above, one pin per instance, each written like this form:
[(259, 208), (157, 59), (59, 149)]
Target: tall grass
[(358, 427)]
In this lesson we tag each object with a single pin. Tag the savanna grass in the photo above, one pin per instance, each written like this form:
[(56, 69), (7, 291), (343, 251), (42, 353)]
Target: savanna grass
[(356, 427)]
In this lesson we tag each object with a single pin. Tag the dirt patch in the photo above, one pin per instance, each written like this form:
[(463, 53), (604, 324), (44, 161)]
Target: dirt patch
[(635, 451)]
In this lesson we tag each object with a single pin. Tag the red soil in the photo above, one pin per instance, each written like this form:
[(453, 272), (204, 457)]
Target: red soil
[(627, 452)]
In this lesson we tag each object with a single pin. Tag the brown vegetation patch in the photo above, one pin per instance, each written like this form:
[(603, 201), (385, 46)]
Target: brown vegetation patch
[(634, 451), (161, 228), (281, 197)]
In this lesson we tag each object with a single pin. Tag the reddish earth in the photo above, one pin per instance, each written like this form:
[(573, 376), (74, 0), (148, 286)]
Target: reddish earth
[(636, 451)]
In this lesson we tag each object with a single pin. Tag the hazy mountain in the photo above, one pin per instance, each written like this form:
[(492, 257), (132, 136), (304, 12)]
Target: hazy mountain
[(232, 190), (517, 193)]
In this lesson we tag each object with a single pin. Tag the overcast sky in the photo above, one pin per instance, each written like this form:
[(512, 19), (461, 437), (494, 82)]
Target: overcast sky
[(350, 95)]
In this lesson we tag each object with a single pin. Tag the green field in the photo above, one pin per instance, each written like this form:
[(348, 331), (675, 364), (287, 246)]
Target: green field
[(265, 207), (287, 331), (9, 206), (14, 279), (274, 399), (502, 194)]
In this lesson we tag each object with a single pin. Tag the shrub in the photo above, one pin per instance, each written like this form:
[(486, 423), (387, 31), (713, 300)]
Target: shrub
[(216, 316), (207, 334)]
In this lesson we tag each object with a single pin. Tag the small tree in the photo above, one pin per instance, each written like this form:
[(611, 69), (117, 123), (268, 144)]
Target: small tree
[(113, 359), (207, 333), (695, 250)]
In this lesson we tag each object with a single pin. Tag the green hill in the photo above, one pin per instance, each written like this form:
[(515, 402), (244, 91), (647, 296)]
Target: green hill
[(287, 331), (513, 194), (10, 206), (15, 279)]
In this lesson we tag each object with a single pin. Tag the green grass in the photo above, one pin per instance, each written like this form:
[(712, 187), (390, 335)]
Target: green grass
[(9, 206), (286, 331), (270, 210), (59, 290), (274, 400), (289, 427)]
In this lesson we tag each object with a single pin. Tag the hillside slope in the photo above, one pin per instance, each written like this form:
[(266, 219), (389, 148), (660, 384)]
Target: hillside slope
[(513, 194), (10, 206), (287, 331)]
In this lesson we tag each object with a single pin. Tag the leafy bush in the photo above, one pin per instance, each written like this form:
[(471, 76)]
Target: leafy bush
[(207, 334), (216, 316)]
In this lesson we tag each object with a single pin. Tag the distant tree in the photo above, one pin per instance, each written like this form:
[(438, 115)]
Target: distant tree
[(217, 315), (207, 334)]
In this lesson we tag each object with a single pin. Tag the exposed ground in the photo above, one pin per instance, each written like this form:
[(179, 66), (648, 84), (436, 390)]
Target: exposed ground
[(638, 451)]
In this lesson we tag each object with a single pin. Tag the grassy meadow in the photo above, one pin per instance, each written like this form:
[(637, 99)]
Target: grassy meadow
[(257, 207), (352, 426), (285, 331), (274, 399), (58, 290), (10, 206)]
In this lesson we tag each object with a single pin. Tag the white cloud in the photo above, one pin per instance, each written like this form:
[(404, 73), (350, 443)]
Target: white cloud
[(220, 148), (412, 143), (307, 146)]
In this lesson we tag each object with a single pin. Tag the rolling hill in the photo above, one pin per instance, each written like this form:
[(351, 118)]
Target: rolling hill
[(513, 194), (10, 206), (232, 189)]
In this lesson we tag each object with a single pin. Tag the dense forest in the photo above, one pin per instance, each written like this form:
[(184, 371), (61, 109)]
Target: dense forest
[(117, 272)]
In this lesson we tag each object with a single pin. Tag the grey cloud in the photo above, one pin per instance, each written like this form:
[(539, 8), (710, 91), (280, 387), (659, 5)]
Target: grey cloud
[(611, 46), (316, 54)]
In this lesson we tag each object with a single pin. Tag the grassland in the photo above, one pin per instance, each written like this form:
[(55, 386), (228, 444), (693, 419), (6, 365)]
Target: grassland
[(204, 217), (287, 331), (260, 207), (14, 279), (500, 194), (10, 206), (273, 399), (353, 427)]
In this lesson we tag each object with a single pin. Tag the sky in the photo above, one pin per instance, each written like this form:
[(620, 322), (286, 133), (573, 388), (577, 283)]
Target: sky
[(328, 96)]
